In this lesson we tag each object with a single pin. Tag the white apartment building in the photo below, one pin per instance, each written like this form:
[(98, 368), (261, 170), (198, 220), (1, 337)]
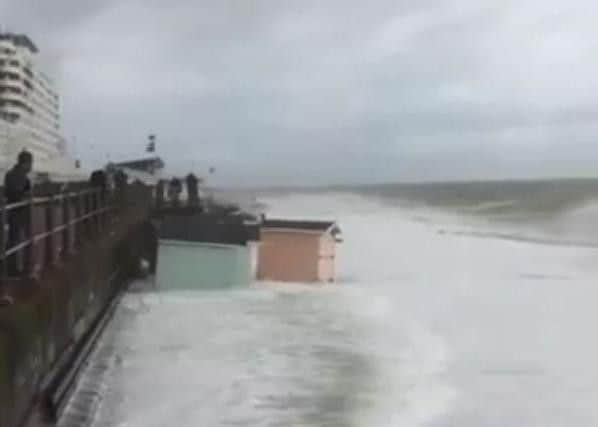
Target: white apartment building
[(29, 110)]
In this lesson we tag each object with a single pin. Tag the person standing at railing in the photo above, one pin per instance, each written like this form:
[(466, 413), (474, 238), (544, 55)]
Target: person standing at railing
[(120, 183), (174, 191), (99, 182), (17, 187), (192, 190)]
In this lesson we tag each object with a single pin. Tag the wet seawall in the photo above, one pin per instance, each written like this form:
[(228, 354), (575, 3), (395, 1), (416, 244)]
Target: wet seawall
[(59, 310)]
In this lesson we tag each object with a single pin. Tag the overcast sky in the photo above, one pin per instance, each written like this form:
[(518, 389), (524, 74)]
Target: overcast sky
[(314, 91)]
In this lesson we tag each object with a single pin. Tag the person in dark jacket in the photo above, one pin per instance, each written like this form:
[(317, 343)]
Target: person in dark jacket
[(17, 187), (98, 180), (174, 191), (121, 180), (192, 190), (16, 180)]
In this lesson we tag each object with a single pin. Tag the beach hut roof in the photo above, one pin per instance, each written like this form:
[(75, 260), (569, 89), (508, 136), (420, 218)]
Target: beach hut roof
[(302, 225)]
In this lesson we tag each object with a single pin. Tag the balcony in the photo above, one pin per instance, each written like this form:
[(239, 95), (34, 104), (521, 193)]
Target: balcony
[(6, 74), (16, 112), (11, 87), (9, 117), (15, 101), (10, 98), (11, 67)]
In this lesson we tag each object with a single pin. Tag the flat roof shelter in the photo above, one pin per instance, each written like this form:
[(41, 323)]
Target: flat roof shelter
[(298, 251), (148, 165), (145, 170)]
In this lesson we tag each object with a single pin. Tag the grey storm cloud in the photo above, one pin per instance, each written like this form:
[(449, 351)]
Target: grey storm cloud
[(311, 92)]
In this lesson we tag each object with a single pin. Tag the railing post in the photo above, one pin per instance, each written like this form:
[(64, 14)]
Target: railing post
[(29, 250), (3, 240), (160, 194), (84, 222), (103, 205), (88, 210), (78, 225), (98, 214), (111, 214), (66, 219), (50, 247)]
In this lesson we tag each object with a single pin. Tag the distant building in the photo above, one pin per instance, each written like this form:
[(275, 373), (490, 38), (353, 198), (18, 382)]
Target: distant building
[(29, 110), (298, 251)]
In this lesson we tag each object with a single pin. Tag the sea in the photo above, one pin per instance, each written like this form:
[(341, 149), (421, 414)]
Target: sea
[(457, 305)]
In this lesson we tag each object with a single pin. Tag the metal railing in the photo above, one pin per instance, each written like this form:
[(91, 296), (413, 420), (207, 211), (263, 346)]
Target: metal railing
[(49, 228)]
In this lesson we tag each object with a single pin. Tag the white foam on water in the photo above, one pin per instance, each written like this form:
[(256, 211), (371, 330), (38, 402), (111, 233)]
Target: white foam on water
[(423, 329), (509, 319)]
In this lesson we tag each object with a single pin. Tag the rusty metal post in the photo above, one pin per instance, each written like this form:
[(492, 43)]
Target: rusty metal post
[(84, 222), (91, 211), (70, 227), (84, 212), (160, 194), (49, 241), (66, 219), (3, 239), (29, 250), (99, 215), (77, 202)]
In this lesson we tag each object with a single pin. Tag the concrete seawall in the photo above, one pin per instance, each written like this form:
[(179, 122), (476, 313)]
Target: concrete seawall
[(42, 332)]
